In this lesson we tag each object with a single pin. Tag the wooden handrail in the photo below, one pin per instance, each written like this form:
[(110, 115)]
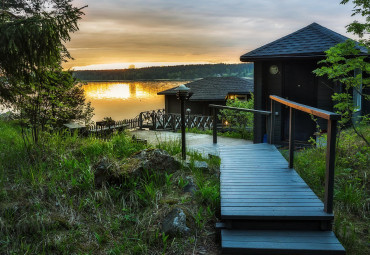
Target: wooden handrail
[(216, 107), (305, 108), (239, 109), (330, 148)]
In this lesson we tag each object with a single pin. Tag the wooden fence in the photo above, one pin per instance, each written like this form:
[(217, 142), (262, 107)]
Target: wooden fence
[(159, 120)]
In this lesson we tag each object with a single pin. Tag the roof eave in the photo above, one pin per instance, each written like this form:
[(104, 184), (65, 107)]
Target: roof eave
[(281, 57)]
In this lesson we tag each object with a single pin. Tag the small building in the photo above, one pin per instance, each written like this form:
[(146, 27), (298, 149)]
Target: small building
[(284, 68), (212, 90)]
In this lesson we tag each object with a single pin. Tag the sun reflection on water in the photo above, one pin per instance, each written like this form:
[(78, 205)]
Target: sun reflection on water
[(107, 91), (123, 100)]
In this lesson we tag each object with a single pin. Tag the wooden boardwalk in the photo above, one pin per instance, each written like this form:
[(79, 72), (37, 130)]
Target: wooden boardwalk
[(267, 208)]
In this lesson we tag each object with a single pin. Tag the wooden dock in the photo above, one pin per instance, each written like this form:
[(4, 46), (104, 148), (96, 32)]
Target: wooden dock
[(266, 207)]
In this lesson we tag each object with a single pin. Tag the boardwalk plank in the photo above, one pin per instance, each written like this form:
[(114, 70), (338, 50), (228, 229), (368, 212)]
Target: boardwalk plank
[(256, 182)]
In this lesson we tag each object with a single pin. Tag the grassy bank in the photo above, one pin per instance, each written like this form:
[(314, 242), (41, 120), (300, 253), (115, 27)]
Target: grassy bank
[(247, 135), (49, 203), (351, 191)]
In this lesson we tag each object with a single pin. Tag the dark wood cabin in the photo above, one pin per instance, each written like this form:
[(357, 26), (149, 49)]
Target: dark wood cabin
[(212, 90), (284, 68)]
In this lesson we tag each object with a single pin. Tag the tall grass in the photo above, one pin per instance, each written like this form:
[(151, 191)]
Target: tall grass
[(49, 203), (351, 190)]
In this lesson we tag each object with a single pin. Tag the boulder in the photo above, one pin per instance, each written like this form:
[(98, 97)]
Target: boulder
[(157, 159), (174, 224), (149, 159), (191, 187), (103, 173), (202, 165)]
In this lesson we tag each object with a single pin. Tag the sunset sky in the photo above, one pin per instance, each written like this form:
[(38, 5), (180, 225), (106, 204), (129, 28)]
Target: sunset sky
[(117, 33)]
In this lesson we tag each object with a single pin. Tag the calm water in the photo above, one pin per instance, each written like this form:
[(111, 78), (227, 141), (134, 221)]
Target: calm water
[(124, 100)]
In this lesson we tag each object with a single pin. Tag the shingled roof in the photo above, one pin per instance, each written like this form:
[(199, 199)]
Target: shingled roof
[(310, 41), (215, 88)]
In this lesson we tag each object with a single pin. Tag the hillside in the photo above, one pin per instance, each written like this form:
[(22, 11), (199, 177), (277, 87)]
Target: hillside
[(168, 72)]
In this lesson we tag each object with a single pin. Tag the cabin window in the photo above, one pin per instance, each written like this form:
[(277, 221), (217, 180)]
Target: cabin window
[(240, 97), (357, 91)]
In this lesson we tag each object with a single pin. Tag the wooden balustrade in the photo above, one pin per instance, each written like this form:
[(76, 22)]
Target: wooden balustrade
[(332, 119)]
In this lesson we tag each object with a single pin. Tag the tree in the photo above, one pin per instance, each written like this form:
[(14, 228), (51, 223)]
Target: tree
[(32, 50), (362, 7), (348, 64)]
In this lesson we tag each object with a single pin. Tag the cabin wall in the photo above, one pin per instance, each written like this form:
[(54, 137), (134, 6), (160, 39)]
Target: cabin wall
[(266, 84), (294, 81), (259, 127), (196, 107), (274, 86)]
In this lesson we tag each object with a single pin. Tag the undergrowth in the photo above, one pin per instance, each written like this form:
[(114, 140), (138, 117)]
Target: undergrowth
[(49, 203), (351, 190), (247, 135)]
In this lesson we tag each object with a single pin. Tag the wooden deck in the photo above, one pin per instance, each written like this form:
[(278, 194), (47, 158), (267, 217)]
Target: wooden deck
[(266, 205)]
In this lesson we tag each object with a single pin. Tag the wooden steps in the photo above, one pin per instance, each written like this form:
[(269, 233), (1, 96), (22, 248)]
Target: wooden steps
[(267, 208), (280, 242)]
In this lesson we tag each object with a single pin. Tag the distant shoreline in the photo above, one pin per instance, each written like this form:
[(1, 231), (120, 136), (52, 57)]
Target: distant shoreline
[(139, 80)]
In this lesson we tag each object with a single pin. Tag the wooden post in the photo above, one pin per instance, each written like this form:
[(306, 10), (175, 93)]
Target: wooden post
[(214, 125), (173, 119), (141, 121), (154, 121), (330, 165), (291, 136), (272, 120), (183, 142)]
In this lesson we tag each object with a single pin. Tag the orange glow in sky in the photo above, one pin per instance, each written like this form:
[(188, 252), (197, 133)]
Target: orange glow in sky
[(117, 33)]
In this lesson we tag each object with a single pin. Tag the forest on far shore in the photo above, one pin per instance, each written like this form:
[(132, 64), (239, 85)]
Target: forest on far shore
[(181, 72)]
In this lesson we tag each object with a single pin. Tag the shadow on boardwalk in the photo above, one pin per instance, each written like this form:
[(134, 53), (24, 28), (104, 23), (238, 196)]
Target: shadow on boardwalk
[(200, 142)]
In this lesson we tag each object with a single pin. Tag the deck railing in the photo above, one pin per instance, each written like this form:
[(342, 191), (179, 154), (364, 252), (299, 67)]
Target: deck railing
[(332, 119), (216, 108), (159, 119)]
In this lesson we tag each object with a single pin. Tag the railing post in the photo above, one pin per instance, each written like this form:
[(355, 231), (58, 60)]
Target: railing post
[(141, 120), (183, 140), (214, 125), (173, 119), (330, 165), (272, 119), (291, 136)]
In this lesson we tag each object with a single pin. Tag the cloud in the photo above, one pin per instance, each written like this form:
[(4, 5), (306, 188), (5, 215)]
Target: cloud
[(162, 30)]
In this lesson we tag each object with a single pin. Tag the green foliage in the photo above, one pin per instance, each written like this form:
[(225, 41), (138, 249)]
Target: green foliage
[(351, 190), (59, 99), (362, 8), (173, 147), (33, 33), (31, 52), (49, 203), (340, 68), (346, 64), (240, 121)]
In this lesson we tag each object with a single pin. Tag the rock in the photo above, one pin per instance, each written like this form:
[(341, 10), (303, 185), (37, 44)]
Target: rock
[(152, 160), (104, 173), (157, 159), (191, 187), (174, 223), (202, 165)]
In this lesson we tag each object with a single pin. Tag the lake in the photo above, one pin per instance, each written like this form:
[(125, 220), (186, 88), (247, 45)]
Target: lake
[(125, 100)]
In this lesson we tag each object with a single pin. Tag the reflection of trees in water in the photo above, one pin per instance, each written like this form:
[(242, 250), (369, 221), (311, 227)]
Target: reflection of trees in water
[(153, 87), (128, 89)]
